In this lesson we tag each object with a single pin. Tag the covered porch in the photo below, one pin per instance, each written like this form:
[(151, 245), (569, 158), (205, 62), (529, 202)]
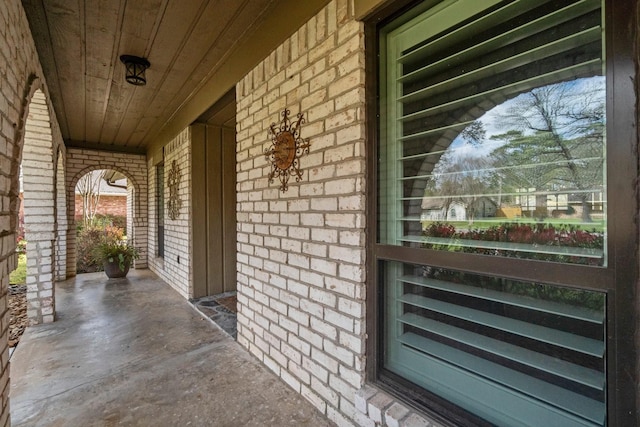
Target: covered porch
[(274, 150), (133, 352)]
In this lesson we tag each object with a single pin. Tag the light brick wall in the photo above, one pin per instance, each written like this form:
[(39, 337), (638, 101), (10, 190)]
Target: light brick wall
[(301, 253), (134, 167), (62, 226), (175, 267), (131, 192), (20, 78), (41, 138)]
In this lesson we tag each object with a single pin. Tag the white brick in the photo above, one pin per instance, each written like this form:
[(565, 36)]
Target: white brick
[(303, 249), (322, 297), (328, 362), (327, 267), (352, 255), (362, 397), (340, 220), (324, 235), (324, 204), (323, 390), (312, 308), (394, 414), (339, 320), (323, 328), (343, 355), (377, 405), (314, 398), (415, 420)]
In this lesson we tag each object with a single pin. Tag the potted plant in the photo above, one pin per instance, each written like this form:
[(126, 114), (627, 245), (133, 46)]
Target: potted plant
[(116, 256)]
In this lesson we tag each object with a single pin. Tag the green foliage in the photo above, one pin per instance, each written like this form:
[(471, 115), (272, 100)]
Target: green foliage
[(115, 250), (19, 275), (474, 133), (117, 221), (21, 246), (101, 221), (88, 239)]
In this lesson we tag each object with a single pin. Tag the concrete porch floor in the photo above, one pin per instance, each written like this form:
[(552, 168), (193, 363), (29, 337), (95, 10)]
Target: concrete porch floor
[(132, 352)]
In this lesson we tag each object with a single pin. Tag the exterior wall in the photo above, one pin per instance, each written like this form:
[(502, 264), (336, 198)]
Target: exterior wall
[(20, 77), (175, 267), (301, 253), (134, 167), (109, 205)]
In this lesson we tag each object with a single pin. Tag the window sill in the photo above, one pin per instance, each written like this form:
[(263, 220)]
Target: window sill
[(384, 410)]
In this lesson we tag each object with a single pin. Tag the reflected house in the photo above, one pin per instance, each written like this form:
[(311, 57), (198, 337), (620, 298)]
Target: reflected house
[(484, 207), (595, 202), (539, 204), (443, 210), (533, 203), (440, 209)]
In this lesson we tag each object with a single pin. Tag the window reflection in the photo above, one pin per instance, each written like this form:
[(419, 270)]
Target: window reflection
[(528, 175)]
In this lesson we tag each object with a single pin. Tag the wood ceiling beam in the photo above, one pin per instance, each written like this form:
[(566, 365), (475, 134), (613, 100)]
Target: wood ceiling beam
[(110, 148)]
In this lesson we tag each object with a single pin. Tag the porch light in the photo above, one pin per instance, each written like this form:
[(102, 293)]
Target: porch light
[(135, 69)]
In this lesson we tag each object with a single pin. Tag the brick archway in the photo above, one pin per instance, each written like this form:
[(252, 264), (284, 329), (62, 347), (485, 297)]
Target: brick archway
[(134, 167)]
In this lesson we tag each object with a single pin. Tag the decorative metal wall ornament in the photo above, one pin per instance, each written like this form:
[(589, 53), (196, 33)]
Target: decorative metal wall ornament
[(173, 182), (286, 148)]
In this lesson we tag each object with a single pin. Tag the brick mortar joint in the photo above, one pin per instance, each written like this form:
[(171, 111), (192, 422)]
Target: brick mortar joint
[(371, 396), (262, 69)]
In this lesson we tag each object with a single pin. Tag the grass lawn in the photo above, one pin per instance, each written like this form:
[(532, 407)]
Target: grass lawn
[(19, 275)]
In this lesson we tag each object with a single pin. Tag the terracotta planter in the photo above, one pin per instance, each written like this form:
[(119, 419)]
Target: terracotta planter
[(112, 269)]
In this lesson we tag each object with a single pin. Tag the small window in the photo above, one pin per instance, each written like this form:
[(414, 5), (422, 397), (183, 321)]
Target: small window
[(492, 244), (160, 209)]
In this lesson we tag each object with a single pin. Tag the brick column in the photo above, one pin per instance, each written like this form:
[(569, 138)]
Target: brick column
[(39, 211)]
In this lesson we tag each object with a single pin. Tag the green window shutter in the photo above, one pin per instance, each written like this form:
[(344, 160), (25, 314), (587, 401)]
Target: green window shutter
[(512, 352)]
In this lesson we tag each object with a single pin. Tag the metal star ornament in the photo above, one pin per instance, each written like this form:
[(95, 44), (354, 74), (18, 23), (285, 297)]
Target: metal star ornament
[(286, 148)]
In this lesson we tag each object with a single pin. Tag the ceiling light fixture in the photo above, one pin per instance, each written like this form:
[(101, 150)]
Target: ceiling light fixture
[(135, 69)]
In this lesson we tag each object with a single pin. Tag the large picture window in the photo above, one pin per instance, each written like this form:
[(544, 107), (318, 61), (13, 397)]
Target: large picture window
[(493, 242)]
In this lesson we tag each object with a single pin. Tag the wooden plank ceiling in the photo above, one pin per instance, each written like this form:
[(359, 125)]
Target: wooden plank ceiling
[(80, 42)]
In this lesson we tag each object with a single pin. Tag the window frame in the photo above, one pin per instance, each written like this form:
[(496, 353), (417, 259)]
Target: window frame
[(160, 187), (621, 274)]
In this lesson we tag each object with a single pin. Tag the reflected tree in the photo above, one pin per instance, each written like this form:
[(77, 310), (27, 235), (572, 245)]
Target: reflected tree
[(461, 178), (554, 140)]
